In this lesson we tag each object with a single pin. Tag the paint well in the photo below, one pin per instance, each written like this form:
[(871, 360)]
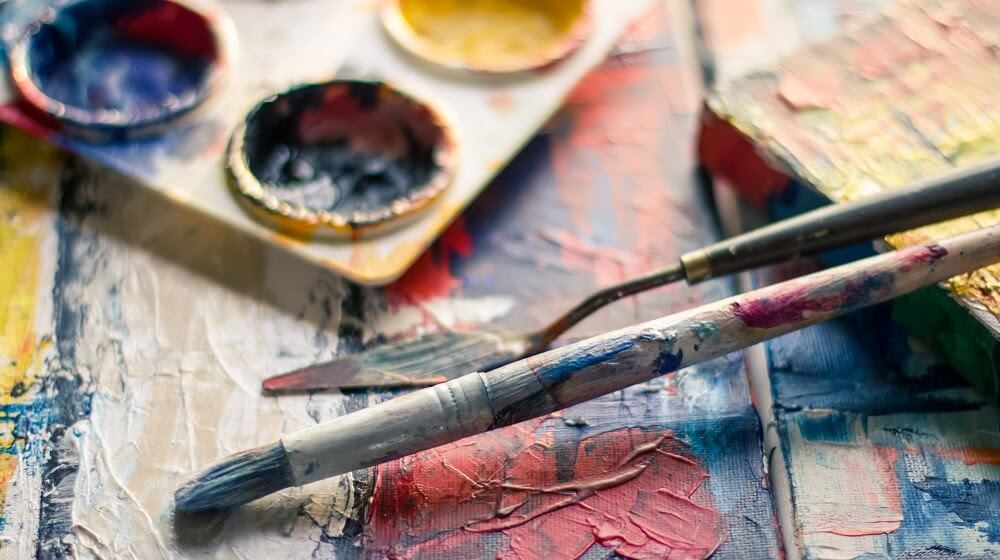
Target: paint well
[(347, 152), (105, 63), (488, 35)]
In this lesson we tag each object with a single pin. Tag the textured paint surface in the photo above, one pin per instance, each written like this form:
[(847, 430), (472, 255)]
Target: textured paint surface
[(638, 493), (871, 112), (871, 417), (881, 440), (174, 380)]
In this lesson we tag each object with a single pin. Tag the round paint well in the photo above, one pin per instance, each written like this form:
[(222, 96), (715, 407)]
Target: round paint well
[(121, 65), (345, 157), (493, 36)]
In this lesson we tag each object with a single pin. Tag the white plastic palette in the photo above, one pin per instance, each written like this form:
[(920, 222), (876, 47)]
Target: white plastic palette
[(286, 43)]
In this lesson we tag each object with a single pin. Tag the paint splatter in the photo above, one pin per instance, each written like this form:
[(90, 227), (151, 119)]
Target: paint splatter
[(521, 494)]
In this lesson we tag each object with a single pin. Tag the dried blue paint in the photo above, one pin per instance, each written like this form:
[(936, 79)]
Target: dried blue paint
[(857, 363), (109, 73), (704, 330), (78, 249), (975, 503), (552, 375), (668, 362)]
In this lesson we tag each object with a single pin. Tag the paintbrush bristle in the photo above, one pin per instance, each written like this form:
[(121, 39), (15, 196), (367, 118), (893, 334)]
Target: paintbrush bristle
[(238, 479)]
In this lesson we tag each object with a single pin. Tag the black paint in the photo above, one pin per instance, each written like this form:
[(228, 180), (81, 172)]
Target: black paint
[(333, 173), (70, 397)]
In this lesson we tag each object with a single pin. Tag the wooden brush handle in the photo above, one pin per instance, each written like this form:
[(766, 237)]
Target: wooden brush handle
[(962, 192), (541, 384), (947, 196), (609, 362)]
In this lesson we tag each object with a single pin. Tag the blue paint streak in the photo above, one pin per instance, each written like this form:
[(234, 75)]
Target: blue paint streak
[(829, 427), (668, 362), (972, 502), (859, 363), (554, 374)]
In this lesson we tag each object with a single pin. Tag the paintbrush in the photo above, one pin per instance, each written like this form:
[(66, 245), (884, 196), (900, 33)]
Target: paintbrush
[(438, 357), (538, 385)]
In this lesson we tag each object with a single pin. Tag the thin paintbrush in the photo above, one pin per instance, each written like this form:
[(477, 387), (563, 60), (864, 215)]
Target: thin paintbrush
[(541, 384), (437, 357)]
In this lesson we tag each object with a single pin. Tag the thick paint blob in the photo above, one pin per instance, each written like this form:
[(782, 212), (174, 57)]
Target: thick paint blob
[(633, 491), (104, 59), (349, 148), (492, 33)]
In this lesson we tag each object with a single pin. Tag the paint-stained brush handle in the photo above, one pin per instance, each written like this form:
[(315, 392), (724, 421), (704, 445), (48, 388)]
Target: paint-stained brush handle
[(951, 195), (565, 376), (957, 193), (538, 385)]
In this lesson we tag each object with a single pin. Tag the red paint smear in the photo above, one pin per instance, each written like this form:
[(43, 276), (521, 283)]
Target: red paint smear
[(920, 255), (23, 118), (172, 26), (632, 491), (430, 277), (795, 299), (731, 156)]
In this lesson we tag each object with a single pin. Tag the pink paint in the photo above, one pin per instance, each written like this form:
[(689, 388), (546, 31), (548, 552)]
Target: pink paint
[(608, 164), (793, 303), (635, 492), (921, 255), (872, 506), (731, 24), (801, 92)]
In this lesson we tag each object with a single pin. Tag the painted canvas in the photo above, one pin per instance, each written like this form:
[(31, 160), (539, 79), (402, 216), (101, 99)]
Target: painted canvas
[(138, 333), (877, 448)]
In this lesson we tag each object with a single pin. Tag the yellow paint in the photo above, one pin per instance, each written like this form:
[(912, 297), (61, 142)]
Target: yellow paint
[(485, 33), (30, 170)]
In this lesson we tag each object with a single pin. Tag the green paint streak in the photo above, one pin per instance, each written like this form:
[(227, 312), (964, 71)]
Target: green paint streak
[(930, 314)]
